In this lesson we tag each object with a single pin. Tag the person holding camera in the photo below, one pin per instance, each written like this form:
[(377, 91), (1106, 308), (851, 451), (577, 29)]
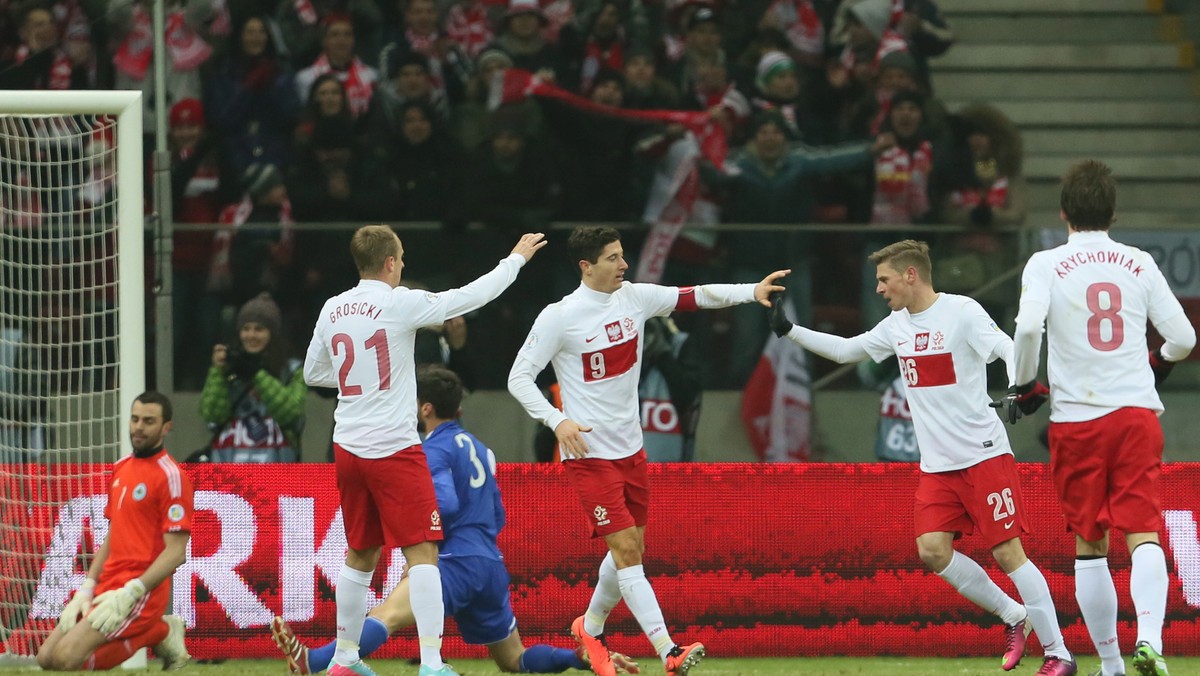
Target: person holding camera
[(253, 399)]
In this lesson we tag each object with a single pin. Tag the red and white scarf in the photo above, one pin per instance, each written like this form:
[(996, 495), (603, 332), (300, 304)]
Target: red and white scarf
[(220, 270), (357, 80), (995, 196), (306, 12), (469, 28), (902, 184), (185, 47), (60, 69), (72, 22), (890, 42), (799, 19), (599, 57)]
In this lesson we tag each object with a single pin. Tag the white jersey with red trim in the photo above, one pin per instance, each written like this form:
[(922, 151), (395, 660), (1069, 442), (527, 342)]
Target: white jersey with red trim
[(363, 345), (943, 353), (594, 341), (1099, 293)]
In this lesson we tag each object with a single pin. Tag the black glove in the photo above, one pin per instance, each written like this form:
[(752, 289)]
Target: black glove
[(779, 321), (1006, 407), (1160, 366), (245, 364), (1021, 400), (982, 214)]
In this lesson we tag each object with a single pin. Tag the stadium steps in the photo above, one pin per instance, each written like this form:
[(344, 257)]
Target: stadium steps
[(1110, 79)]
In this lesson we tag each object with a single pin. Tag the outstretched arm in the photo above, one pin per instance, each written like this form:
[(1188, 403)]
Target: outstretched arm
[(841, 350), (485, 289), (712, 296)]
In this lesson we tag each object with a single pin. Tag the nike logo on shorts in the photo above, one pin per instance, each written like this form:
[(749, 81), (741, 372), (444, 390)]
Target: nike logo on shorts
[(1009, 525)]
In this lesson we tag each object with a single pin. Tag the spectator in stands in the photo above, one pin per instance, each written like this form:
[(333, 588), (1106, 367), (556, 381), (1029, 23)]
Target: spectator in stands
[(595, 42), (868, 31), (251, 99), (713, 91), (596, 154), (326, 101), (701, 44), (325, 180), (469, 25), (187, 50), (902, 172), (201, 182), (800, 23), (644, 88), (250, 259), (772, 183), (982, 182), (446, 65), (470, 121), (777, 80), (928, 35), (303, 24), (521, 37), (511, 183), (421, 170), (40, 61), (669, 392), (409, 81), (253, 399), (338, 57)]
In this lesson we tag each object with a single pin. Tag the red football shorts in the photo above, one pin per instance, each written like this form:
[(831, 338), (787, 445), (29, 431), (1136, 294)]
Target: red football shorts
[(615, 494), (1106, 472), (387, 501), (986, 496)]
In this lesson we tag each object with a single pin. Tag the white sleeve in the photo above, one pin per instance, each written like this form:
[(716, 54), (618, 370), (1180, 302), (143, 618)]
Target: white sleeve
[(318, 365), (986, 338), (1180, 337), (839, 349), (1031, 321), (456, 302), (1167, 316), (523, 388), (712, 296)]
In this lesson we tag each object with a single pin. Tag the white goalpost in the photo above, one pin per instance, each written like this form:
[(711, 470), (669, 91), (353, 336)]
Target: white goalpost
[(72, 337)]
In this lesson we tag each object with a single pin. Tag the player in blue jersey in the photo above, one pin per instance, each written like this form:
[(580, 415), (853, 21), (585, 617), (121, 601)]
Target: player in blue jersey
[(474, 579)]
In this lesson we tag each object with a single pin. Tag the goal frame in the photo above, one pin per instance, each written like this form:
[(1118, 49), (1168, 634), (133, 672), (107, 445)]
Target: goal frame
[(126, 106)]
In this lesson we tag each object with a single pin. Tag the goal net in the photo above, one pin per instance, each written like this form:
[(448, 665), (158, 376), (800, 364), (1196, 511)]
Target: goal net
[(72, 346)]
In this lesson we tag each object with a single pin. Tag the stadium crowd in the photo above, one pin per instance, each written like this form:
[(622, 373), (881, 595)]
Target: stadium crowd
[(318, 111)]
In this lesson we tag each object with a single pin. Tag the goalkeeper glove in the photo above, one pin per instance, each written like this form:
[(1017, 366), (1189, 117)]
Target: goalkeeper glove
[(1160, 366), (778, 320), (112, 608), (79, 605)]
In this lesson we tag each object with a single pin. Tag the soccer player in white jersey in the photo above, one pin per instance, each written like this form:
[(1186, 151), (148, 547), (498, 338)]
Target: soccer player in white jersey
[(1106, 443), (363, 346), (593, 338), (968, 477)]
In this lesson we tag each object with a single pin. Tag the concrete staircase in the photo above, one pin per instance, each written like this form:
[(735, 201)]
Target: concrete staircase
[(1111, 79)]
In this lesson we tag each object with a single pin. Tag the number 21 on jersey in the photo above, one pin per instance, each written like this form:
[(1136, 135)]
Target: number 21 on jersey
[(343, 344)]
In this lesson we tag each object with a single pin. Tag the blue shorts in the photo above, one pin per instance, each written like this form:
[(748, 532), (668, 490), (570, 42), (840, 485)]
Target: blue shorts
[(475, 592)]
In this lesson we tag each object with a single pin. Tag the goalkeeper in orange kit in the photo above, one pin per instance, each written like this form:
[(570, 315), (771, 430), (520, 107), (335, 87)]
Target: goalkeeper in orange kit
[(118, 608)]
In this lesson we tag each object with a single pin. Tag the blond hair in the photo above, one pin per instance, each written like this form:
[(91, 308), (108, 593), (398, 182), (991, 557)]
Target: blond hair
[(905, 254), (371, 246)]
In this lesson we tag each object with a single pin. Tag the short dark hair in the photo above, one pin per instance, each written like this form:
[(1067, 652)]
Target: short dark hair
[(1089, 195), (153, 397), (441, 387), (587, 242), (905, 254)]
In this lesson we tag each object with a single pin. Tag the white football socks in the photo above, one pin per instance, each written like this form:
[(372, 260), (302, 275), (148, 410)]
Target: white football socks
[(973, 582), (1097, 597), (639, 596), (1035, 593), (425, 596), (1148, 587), (351, 597), (604, 598)]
